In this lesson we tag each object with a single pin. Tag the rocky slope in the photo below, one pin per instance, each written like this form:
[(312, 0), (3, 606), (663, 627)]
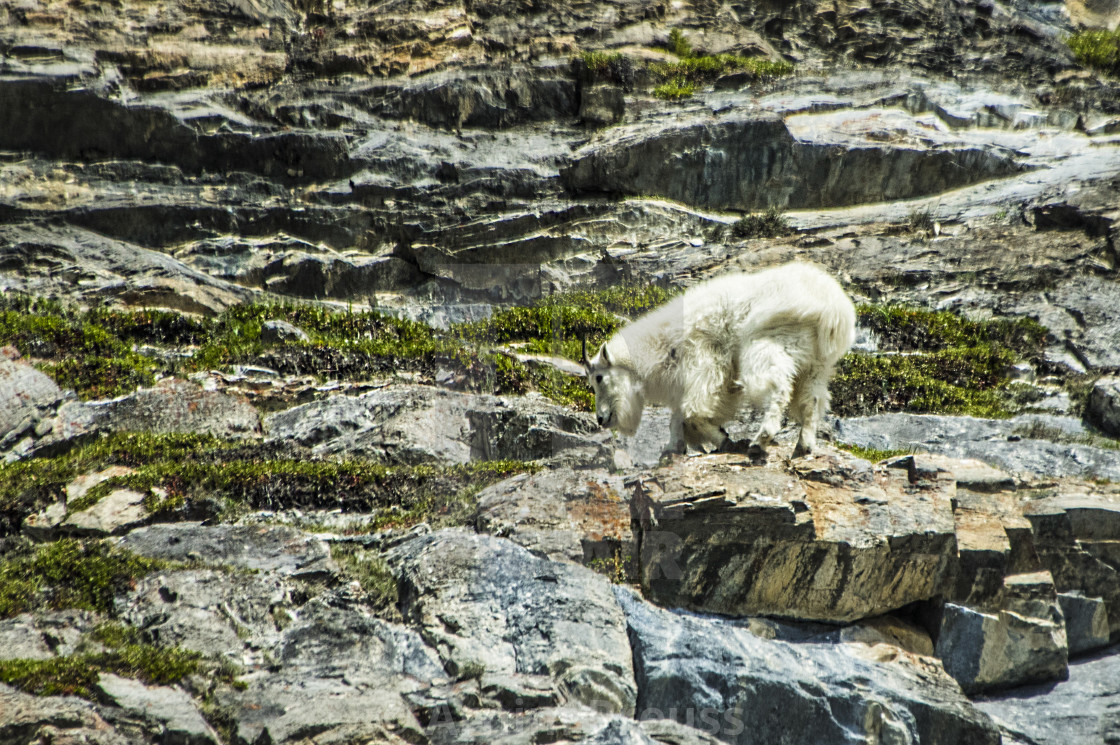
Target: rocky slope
[(294, 446)]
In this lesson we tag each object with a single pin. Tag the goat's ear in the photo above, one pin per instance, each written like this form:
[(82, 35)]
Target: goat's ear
[(604, 356)]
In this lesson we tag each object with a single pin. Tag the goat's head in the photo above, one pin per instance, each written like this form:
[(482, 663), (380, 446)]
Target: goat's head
[(618, 391)]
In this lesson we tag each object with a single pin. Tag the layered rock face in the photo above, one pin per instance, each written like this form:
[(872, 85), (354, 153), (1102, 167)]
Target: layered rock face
[(300, 543)]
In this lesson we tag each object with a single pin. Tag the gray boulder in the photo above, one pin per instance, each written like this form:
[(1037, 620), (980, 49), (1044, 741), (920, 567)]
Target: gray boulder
[(715, 675), (1076, 536), (984, 651), (1104, 405), (489, 607), (422, 424), (36, 417)]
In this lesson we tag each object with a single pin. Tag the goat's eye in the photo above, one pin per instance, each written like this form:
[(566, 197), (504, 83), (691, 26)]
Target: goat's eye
[(598, 378)]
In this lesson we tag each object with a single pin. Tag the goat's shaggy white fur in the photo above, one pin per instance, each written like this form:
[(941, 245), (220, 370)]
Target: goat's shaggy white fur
[(768, 339)]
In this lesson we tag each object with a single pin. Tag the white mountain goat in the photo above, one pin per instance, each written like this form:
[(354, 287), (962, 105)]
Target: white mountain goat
[(768, 338)]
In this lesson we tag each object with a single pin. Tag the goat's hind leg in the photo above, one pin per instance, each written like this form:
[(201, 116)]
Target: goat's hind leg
[(810, 402), (767, 379)]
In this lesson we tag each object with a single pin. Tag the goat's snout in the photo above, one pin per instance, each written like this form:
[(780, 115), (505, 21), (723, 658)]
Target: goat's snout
[(601, 419)]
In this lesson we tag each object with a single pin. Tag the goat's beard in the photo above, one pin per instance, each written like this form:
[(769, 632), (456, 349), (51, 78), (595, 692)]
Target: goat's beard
[(628, 413)]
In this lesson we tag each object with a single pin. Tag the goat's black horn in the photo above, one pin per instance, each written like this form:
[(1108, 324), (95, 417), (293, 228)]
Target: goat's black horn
[(586, 359)]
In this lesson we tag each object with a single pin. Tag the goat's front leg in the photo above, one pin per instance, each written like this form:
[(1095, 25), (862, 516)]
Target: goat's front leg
[(677, 444)]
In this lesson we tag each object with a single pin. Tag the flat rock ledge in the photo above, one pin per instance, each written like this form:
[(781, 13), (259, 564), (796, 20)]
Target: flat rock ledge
[(838, 542)]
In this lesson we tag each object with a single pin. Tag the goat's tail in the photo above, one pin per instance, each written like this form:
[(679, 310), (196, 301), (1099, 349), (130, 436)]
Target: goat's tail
[(837, 329)]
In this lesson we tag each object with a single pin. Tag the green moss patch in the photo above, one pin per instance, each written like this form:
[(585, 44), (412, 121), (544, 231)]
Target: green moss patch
[(681, 78), (1098, 49), (370, 571), (110, 648), (68, 574), (938, 362), (872, 454)]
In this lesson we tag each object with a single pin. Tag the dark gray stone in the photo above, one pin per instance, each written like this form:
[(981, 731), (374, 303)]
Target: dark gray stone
[(1086, 622), (421, 424), (715, 675), (1083, 710), (1103, 409)]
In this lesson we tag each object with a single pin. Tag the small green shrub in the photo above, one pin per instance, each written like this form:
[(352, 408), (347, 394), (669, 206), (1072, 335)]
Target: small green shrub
[(678, 44), (674, 90), (766, 225), (1098, 49)]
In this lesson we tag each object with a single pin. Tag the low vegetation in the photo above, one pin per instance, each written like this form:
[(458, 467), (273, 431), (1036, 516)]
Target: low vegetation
[(67, 574), (769, 224), (935, 362), (1098, 49), (110, 648), (681, 78), (203, 475), (95, 352), (371, 573), (872, 454)]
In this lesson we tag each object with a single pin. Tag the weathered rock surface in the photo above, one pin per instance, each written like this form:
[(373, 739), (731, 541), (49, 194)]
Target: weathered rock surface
[(717, 676), (1077, 538), (170, 714), (719, 535), (30, 718), (564, 514), (702, 160), (273, 549), (1086, 621), (1022, 643), (420, 424), (178, 406), (1006, 444)]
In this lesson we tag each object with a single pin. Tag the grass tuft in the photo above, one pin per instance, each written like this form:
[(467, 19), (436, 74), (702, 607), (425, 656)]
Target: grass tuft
[(769, 224)]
